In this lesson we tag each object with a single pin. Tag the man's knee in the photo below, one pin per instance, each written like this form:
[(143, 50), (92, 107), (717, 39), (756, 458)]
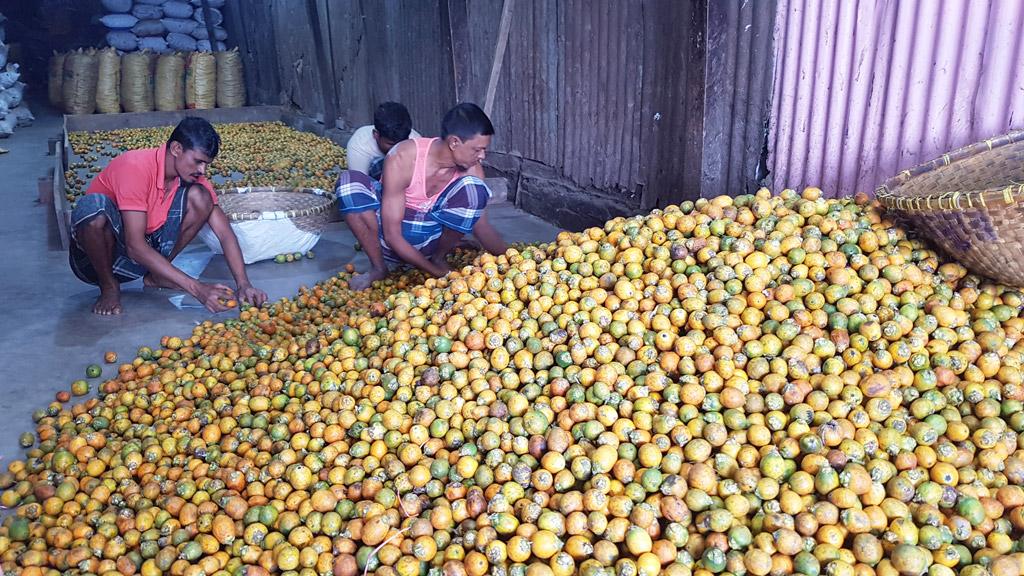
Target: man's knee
[(199, 201), (94, 225)]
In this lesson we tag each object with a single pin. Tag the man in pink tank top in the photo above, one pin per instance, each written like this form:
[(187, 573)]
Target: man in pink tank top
[(431, 195)]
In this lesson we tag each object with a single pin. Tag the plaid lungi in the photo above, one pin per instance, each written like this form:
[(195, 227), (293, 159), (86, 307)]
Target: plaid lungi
[(458, 207), (162, 239)]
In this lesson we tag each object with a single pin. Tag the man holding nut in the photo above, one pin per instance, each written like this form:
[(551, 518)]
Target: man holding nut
[(143, 209)]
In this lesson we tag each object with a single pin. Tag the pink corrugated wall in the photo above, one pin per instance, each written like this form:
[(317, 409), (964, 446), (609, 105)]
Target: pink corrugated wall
[(866, 88)]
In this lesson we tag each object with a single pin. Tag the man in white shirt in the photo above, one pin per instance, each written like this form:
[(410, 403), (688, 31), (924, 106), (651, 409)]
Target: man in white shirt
[(370, 144)]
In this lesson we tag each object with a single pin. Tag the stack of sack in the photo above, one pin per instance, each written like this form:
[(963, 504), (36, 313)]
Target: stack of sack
[(13, 111), (107, 81), (163, 26)]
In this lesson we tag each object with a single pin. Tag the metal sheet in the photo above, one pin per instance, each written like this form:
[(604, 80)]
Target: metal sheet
[(866, 88), (738, 95)]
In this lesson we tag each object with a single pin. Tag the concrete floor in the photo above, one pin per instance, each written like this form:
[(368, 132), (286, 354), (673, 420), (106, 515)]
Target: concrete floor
[(48, 334)]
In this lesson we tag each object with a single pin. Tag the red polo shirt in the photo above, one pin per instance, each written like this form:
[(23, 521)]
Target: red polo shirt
[(135, 181)]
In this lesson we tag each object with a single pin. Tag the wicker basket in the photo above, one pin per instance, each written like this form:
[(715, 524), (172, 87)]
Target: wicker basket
[(272, 221), (308, 208), (969, 203)]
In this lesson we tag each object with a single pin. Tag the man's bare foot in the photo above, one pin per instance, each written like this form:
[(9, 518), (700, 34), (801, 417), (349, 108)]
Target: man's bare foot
[(363, 281), (109, 302), (150, 281)]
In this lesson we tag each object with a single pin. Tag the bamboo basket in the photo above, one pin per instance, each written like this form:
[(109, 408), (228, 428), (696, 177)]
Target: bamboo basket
[(309, 209), (970, 203)]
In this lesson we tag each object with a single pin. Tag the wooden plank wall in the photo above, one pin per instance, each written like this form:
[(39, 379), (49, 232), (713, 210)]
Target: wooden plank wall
[(606, 97)]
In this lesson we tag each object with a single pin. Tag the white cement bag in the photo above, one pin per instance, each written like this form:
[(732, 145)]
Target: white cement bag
[(181, 42), (9, 76), (155, 44), (119, 21), (200, 33), (216, 16), (118, 6), (23, 115), (175, 9), (204, 46), (213, 4), (149, 28), (3, 108), (181, 25), (147, 12), (3, 53), (123, 40), (264, 239), (7, 125)]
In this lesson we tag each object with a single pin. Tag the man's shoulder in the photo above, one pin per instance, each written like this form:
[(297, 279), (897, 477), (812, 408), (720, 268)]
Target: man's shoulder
[(137, 158), (361, 136)]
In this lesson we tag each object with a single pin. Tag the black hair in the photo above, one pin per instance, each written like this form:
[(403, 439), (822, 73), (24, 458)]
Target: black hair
[(392, 121), (195, 133), (466, 120)]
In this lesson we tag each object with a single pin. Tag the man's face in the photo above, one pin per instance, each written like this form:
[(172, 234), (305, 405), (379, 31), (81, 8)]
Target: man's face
[(189, 164), (383, 143), (469, 153)]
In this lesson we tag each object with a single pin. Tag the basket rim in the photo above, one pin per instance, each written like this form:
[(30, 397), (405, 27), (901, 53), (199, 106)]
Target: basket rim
[(329, 202), (889, 192)]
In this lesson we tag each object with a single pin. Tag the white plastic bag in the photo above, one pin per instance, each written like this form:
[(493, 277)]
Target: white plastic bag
[(180, 25), (119, 21), (119, 6), (181, 42), (264, 239), (123, 40), (9, 76), (216, 17), (174, 9), (149, 28), (23, 115), (147, 12), (155, 44), (200, 33), (7, 125), (12, 96)]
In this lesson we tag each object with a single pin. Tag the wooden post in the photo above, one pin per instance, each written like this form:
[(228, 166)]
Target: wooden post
[(209, 25), (326, 70), (499, 53)]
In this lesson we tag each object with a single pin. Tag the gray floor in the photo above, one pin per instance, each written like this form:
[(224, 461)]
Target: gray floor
[(48, 334)]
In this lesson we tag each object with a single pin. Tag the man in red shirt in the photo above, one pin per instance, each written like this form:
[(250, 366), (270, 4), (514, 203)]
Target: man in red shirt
[(143, 209)]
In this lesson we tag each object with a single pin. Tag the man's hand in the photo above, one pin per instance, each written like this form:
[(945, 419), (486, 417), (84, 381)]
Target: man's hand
[(254, 296), (213, 296)]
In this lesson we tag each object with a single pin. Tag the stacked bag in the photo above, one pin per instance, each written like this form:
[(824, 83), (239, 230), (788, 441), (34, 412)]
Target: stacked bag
[(107, 82), (163, 26), (13, 111)]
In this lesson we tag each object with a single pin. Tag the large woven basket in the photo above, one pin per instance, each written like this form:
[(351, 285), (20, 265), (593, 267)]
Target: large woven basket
[(309, 209), (969, 203)]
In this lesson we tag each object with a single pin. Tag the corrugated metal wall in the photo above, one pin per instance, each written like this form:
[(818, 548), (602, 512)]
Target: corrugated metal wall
[(739, 96), (866, 88)]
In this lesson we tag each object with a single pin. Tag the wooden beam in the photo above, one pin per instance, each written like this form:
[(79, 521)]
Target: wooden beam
[(209, 25), (324, 67), (499, 53)]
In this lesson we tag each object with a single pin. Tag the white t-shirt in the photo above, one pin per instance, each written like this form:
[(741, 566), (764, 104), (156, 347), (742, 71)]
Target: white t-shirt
[(362, 149)]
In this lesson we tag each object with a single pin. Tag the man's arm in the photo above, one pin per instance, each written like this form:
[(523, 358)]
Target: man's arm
[(140, 251), (233, 254), (490, 239), (398, 169)]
